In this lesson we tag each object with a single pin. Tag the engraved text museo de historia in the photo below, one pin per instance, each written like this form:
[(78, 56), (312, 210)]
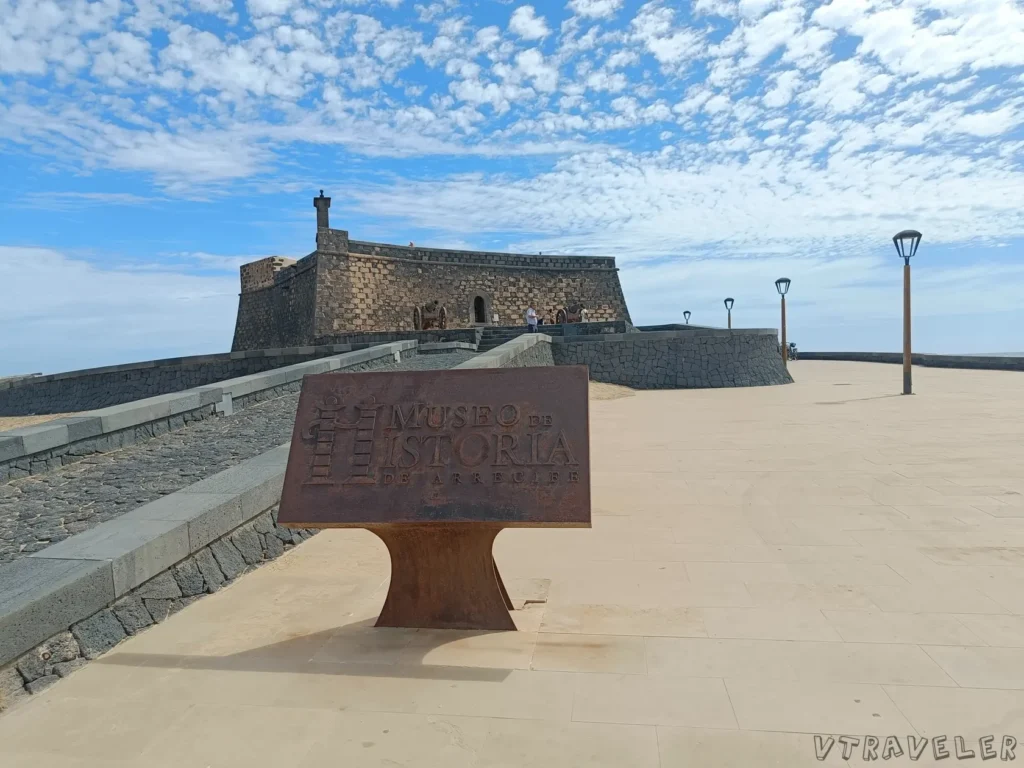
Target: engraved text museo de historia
[(474, 445)]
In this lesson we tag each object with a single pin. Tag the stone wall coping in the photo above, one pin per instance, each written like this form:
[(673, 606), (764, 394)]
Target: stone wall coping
[(284, 275), (446, 346), (5, 380), (678, 327), (976, 362), (568, 267), (416, 249), (290, 272), (48, 591), (663, 335), (26, 441), (500, 355), (23, 381)]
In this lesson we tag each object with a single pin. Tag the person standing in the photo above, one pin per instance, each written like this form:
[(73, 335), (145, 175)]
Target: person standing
[(531, 319)]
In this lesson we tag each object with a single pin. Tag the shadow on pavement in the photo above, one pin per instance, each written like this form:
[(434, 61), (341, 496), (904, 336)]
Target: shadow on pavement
[(295, 655)]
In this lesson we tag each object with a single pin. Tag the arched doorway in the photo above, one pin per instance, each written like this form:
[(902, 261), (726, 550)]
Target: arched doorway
[(479, 310)]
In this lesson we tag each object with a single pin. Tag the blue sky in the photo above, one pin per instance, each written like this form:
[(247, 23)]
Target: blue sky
[(148, 147)]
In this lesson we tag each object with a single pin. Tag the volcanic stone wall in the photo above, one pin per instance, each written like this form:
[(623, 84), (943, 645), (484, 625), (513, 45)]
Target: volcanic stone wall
[(276, 312), (678, 359), (349, 286), (93, 388)]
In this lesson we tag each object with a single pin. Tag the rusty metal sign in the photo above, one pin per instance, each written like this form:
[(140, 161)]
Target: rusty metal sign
[(506, 446)]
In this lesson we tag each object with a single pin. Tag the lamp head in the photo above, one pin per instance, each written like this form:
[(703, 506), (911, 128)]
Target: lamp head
[(906, 243), (728, 304), (782, 285)]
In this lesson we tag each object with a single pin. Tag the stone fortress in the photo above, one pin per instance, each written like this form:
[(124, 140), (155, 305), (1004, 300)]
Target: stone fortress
[(351, 286)]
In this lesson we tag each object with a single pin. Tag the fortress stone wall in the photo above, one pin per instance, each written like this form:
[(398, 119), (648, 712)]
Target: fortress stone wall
[(355, 286), (689, 359)]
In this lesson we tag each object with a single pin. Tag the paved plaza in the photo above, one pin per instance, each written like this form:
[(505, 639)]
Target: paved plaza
[(765, 564)]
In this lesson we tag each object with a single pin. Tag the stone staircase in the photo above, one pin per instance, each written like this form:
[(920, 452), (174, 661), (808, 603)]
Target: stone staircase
[(496, 335)]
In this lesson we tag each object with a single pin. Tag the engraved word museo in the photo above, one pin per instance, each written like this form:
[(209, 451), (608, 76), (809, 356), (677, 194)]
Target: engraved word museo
[(453, 444)]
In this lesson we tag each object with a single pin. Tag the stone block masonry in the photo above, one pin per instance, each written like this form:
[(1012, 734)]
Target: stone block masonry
[(678, 359), (277, 312), (376, 291), (527, 351), (352, 286), (464, 335), (207, 570), (537, 355), (86, 390), (660, 360)]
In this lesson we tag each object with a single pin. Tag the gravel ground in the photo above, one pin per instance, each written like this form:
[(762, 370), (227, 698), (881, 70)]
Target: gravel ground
[(15, 422), (43, 509)]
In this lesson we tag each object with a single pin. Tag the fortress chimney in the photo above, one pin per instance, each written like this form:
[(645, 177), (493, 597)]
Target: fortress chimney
[(322, 204)]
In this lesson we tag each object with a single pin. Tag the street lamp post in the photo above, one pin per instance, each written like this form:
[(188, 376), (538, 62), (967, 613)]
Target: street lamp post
[(782, 286), (728, 308), (686, 315), (906, 243)]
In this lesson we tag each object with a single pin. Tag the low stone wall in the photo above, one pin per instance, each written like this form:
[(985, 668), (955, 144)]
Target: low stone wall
[(526, 351), (41, 448), (94, 388), (75, 600), (678, 359), (677, 327), (5, 380), (979, 362), (445, 347), (588, 329)]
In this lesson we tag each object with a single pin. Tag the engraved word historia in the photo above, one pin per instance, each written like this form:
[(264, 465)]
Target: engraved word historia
[(451, 444)]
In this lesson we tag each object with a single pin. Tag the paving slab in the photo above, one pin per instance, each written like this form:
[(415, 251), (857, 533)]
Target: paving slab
[(766, 565)]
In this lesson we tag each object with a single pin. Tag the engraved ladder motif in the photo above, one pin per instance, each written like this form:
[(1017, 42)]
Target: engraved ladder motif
[(324, 430)]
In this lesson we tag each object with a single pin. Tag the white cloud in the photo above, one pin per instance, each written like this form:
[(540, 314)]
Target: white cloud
[(753, 9), (838, 89), (878, 84), (488, 37), (771, 32), (993, 123), (531, 63), (717, 103), (269, 7), (621, 58), (911, 41), (783, 89), (607, 81), (527, 24), (655, 28), (72, 200), (100, 315), (121, 57), (649, 130), (595, 9), (634, 206)]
